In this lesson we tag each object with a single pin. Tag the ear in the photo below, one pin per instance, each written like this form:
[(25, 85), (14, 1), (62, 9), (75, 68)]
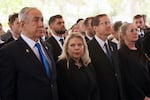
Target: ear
[(21, 23), (94, 28), (10, 25)]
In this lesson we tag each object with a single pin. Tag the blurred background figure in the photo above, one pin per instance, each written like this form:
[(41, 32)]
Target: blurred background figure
[(75, 28), (76, 75), (145, 21), (114, 37), (15, 31), (81, 26), (89, 32), (1, 33), (46, 34), (139, 22), (144, 33), (134, 65), (1, 30)]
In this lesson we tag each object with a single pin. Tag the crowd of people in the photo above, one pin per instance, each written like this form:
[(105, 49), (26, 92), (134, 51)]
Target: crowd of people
[(93, 60)]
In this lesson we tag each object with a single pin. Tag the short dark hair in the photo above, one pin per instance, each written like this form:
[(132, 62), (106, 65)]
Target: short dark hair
[(86, 22), (53, 18), (79, 20), (95, 21), (12, 17), (138, 16), (117, 25), (0, 24)]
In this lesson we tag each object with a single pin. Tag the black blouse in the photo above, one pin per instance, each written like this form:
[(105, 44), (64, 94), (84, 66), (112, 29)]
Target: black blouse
[(135, 73), (76, 83)]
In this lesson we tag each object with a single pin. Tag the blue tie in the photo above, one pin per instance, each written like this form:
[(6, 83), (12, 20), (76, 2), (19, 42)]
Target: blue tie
[(44, 60), (108, 52)]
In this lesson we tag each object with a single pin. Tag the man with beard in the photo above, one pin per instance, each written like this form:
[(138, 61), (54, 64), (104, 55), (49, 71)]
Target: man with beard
[(56, 24)]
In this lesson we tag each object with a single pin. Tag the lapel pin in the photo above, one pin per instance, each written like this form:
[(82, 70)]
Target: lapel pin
[(27, 50), (46, 47)]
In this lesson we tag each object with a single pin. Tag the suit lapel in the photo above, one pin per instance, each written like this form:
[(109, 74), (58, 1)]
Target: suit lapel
[(47, 49), (100, 52), (55, 43), (30, 55)]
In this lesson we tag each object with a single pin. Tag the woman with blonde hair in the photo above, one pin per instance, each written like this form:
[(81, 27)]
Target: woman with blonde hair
[(76, 77)]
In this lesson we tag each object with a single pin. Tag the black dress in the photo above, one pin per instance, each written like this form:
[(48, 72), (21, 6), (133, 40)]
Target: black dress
[(135, 74), (76, 83)]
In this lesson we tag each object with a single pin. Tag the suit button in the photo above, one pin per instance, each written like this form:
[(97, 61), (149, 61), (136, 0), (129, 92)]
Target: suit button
[(51, 85), (116, 75)]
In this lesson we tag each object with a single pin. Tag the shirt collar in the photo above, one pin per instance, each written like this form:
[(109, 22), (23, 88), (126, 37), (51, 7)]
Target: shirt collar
[(29, 41), (100, 41)]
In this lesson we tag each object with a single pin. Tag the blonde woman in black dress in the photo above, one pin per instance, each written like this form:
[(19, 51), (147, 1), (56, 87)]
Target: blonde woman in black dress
[(76, 76)]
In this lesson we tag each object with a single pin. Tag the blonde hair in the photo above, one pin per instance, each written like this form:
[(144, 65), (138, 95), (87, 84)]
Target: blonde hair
[(64, 55)]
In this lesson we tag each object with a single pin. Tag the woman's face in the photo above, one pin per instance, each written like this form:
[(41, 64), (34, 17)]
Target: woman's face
[(75, 48), (131, 34)]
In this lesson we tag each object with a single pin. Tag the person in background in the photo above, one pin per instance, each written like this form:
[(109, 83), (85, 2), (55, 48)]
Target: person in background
[(145, 21), (46, 34), (115, 31), (57, 27), (14, 32), (139, 22), (134, 65), (1, 30), (1, 33), (81, 26), (89, 32), (27, 69), (76, 75), (146, 45)]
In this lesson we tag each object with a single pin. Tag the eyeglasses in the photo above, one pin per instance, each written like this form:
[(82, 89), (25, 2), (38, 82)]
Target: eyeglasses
[(105, 23), (133, 30)]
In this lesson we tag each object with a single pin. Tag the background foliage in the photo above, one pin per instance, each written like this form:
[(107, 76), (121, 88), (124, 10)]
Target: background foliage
[(73, 9)]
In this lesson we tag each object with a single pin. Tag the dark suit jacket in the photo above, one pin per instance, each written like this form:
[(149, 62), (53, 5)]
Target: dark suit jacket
[(75, 83), (146, 44), (56, 49), (108, 76), (87, 39), (7, 37), (23, 76), (135, 74)]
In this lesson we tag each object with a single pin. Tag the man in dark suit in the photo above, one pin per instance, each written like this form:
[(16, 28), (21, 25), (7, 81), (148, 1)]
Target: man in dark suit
[(57, 26), (22, 69), (105, 60), (144, 33), (14, 32)]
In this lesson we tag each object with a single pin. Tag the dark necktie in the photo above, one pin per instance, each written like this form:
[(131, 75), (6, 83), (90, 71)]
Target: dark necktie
[(108, 52), (61, 41), (43, 59)]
